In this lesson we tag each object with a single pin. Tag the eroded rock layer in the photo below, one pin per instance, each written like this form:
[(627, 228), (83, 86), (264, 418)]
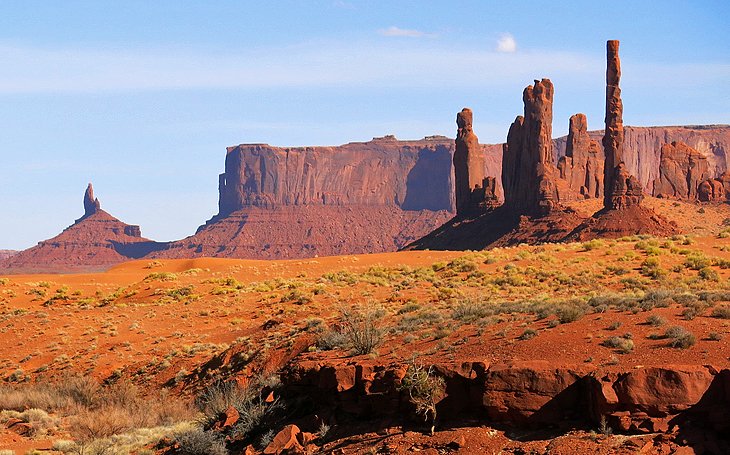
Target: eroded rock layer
[(582, 165), (528, 170), (473, 190), (532, 394), (681, 171), (306, 231)]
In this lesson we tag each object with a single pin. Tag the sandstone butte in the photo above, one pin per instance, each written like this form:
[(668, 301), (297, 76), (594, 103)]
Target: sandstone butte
[(95, 241)]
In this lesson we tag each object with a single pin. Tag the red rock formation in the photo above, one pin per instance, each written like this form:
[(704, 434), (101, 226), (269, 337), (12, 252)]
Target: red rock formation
[(95, 241), (582, 164), (621, 188), (4, 254), (91, 204), (713, 190), (367, 197), (412, 175), (681, 170), (529, 393), (474, 192), (528, 171)]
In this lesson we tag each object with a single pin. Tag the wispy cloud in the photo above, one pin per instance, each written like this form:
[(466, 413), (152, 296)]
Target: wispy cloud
[(506, 43), (413, 64), (402, 32)]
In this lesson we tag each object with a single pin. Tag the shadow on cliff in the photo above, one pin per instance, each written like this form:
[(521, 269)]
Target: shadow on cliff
[(428, 185), (706, 425), (137, 250)]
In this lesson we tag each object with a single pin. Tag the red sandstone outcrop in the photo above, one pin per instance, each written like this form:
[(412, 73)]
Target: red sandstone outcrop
[(412, 175), (582, 164), (681, 171), (666, 398), (528, 170), (95, 241), (4, 254), (714, 190), (474, 192), (367, 197), (91, 204), (621, 189)]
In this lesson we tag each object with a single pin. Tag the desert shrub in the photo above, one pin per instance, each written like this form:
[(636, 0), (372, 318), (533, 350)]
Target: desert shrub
[(199, 442), (651, 268), (697, 261), (623, 344), (714, 336), (425, 389), (462, 265), (593, 244), (679, 337), (708, 274), (409, 307), (331, 339), (297, 297), (528, 334), (569, 313), (363, 330), (161, 276), (721, 312), (655, 320), (470, 311), (252, 408)]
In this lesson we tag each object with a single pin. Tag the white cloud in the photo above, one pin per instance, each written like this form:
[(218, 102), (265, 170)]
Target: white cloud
[(413, 64), (395, 31), (506, 43)]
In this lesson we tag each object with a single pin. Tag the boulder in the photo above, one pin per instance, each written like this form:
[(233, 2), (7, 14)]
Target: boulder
[(285, 441)]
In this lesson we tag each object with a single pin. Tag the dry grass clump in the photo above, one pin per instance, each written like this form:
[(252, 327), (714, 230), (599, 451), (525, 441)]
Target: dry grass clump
[(90, 412)]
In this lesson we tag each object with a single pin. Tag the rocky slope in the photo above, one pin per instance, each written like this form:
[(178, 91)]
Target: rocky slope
[(95, 241), (4, 254)]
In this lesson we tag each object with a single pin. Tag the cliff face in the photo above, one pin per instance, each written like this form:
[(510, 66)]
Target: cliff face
[(681, 171), (643, 144), (412, 175)]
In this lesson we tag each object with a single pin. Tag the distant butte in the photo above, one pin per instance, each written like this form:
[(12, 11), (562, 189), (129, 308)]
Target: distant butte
[(95, 241)]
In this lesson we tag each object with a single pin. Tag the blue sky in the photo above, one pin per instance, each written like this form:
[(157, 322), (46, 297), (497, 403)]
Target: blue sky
[(143, 97)]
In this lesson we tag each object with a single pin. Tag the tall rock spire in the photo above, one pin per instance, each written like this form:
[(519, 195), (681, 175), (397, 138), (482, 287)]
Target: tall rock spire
[(91, 204), (474, 191), (621, 188), (582, 165), (528, 169)]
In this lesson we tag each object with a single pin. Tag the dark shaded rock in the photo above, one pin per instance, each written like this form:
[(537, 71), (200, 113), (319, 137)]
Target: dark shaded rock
[(474, 192), (528, 170)]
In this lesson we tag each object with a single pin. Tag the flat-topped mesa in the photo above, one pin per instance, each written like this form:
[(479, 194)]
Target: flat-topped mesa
[(528, 170), (91, 204), (582, 164), (621, 189), (681, 171), (474, 192), (408, 175)]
